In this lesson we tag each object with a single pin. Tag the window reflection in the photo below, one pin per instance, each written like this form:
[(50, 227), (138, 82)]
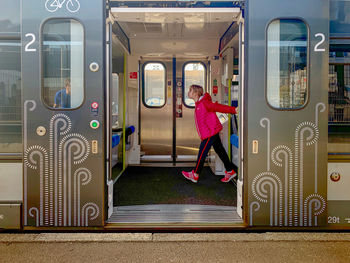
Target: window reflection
[(10, 16), (339, 105), (287, 80), (10, 97), (339, 94), (63, 63)]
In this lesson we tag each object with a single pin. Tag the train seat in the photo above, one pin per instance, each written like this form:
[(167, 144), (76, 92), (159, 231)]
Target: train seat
[(234, 140), (129, 130), (115, 140)]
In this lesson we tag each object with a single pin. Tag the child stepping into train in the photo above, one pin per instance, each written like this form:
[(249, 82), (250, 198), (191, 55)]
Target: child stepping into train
[(208, 128)]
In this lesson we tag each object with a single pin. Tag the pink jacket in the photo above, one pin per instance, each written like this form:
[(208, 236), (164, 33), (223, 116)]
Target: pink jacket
[(207, 123)]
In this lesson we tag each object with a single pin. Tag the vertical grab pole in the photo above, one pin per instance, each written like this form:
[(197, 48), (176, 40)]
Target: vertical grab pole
[(240, 103), (174, 110), (229, 118), (124, 111), (240, 188), (108, 99)]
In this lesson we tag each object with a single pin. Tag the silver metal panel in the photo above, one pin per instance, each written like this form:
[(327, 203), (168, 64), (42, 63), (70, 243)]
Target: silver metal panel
[(156, 129), (10, 216), (11, 178), (286, 177), (187, 138), (174, 214), (63, 179), (156, 158)]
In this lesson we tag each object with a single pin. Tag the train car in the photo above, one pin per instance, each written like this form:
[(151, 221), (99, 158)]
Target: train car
[(96, 123)]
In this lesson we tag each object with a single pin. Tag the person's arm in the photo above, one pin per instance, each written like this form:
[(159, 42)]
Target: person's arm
[(217, 107), (57, 100)]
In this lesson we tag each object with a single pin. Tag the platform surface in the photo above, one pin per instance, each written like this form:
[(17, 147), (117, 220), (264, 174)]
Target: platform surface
[(175, 247)]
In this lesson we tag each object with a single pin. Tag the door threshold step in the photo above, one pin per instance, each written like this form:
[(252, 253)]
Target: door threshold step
[(174, 213)]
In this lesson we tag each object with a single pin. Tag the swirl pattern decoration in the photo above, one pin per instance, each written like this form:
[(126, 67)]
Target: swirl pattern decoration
[(62, 175)]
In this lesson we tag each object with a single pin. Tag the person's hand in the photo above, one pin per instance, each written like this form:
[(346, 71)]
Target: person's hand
[(237, 110)]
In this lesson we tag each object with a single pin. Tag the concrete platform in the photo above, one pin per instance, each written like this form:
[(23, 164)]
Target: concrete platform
[(173, 237), (169, 247)]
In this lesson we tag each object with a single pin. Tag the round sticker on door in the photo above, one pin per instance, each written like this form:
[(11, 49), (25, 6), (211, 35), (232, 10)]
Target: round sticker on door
[(94, 105)]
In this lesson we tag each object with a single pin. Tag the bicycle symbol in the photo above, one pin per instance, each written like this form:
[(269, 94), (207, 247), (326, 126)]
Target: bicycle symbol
[(72, 6)]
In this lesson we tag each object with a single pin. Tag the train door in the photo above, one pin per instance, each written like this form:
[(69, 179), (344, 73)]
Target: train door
[(168, 132), (63, 58), (188, 72), (285, 133), (156, 129)]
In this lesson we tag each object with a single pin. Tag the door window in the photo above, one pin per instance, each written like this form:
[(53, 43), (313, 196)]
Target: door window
[(63, 63), (287, 57), (194, 73), (154, 85)]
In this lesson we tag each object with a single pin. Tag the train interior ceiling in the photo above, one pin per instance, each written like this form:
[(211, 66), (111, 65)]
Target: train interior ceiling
[(148, 185)]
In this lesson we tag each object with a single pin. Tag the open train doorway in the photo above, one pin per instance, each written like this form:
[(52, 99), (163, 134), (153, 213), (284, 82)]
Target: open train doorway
[(164, 51)]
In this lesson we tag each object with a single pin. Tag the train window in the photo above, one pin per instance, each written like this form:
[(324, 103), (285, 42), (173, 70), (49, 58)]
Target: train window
[(339, 18), (10, 16), (194, 73), (154, 85), (339, 94), (10, 96), (63, 63), (115, 93), (287, 56)]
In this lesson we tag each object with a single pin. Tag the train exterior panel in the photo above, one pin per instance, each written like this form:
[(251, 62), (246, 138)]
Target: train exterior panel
[(94, 114), (63, 152), (286, 167)]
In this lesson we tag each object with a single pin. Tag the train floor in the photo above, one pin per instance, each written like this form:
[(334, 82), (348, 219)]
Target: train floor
[(140, 185), (161, 194)]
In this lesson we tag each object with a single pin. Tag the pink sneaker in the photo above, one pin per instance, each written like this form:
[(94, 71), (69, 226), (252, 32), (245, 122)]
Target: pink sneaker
[(229, 176), (190, 176)]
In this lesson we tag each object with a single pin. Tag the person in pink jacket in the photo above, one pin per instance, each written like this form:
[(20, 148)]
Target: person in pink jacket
[(208, 128)]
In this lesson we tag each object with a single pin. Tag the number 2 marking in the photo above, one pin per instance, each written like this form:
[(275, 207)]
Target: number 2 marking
[(27, 49), (323, 38)]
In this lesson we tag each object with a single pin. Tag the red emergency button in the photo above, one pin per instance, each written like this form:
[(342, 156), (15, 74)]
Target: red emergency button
[(94, 105)]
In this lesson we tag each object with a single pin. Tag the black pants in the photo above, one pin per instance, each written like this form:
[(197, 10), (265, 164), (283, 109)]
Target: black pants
[(219, 149)]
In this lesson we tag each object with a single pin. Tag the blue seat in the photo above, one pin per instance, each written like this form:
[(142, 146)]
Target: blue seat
[(117, 136), (234, 140), (115, 140), (128, 130)]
